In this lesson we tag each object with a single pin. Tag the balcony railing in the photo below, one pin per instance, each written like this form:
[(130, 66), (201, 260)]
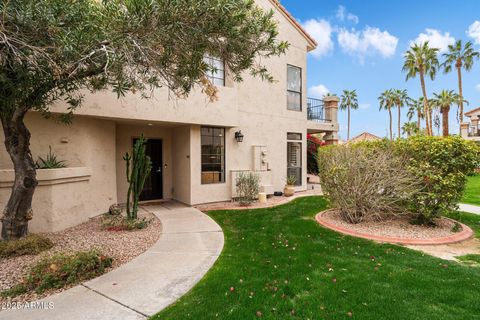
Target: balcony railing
[(315, 110)]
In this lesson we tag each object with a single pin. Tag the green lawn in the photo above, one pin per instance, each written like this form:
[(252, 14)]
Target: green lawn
[(472, 190), (279, 263)]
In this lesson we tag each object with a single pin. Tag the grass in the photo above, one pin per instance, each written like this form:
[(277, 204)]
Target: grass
[(473, 259), (278, 263), (472, 190)]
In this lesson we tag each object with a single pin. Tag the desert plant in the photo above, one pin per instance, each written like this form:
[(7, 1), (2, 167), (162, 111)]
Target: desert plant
[(349, 101), (364, 183), (138, 167), (291, 180), (443, 102), (400, 98), (30, 245), (50, 161), (387, 102), (121, 223), (61, 270), (461, 57), (422, 60), (248, 186)]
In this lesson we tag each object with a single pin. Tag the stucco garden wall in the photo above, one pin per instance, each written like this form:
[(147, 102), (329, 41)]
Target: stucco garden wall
[(88, 143)]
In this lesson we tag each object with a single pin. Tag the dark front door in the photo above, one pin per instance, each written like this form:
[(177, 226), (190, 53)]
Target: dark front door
[(153, 188)]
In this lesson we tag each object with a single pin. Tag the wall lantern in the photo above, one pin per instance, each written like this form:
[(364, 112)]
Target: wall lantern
[(239, 136)]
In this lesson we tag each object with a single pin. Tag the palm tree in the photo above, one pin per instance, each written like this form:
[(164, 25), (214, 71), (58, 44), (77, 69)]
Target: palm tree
[(349, 102), (401, 98), (387, 101), (423, 61), (443, 101), (416, 107), (460, 57), (410, 128)]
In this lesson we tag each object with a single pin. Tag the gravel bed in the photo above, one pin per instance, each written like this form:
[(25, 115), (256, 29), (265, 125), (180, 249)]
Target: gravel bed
[(122, 246), (395, 227)]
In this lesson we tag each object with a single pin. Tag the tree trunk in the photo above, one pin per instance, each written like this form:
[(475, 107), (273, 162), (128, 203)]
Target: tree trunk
[(460, 92), (419, 120), (348, 129), (399, 116), (390, 113), (18, 210), (426, 109), (445, 111)]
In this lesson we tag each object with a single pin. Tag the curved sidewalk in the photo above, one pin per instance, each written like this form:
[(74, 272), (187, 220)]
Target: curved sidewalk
[(188, 247)]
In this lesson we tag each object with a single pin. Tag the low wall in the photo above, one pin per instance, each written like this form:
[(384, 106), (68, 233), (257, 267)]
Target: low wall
[(59, 199)]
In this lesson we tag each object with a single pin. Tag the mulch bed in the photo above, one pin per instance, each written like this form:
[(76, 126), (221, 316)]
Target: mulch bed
[(397, 229), (122, 246)]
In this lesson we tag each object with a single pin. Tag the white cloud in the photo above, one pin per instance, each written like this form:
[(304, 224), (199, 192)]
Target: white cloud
[(477, 87), (366, 42), (474, 31), (343, 15), (364, 106), (318, 91), (435, 39), (321, 31)]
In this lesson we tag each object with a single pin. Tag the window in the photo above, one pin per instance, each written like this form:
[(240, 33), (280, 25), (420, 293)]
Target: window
[(294, 88), (294, 136), (294, 157), (217, 73), (213, 155)]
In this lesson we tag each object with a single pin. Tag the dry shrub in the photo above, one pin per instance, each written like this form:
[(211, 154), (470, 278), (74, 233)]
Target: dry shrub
[(366, 184)]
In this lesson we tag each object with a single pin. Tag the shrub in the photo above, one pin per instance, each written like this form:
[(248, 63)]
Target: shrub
[(248, 186), (31, 244), (61, 270), (121, 223), (442, 165), (364, 183)]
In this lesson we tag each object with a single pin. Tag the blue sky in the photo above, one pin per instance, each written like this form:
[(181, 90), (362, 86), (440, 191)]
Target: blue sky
[(361, 46)]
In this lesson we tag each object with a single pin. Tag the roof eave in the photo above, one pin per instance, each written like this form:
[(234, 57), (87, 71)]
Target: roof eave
[(312, 44)]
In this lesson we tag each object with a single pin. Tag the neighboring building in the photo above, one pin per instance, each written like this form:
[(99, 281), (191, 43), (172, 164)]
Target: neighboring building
[(471, 130), (364, 136), (192, 142)]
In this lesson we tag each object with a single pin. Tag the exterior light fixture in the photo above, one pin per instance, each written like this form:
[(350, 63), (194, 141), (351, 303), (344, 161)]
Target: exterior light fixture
[(239, 136)]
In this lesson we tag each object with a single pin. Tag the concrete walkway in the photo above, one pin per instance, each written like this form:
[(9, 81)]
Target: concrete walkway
[(189, 245), (469, 208)]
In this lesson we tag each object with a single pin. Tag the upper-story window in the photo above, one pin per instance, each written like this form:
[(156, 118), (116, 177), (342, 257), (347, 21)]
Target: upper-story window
[(217, 73), (294, 88)]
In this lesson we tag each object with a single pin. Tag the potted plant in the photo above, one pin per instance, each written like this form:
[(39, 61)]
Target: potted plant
[(289, 189)]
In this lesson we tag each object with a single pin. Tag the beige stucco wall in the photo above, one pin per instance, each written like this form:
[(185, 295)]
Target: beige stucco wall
[(88, 143), (104, 129), (124, 140), (181, 155)]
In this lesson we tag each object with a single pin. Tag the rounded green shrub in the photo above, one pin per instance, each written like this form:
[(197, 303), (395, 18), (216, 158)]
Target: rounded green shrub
[(442, 165)]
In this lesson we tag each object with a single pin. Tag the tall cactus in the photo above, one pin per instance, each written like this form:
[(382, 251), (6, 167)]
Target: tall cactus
[(138, 167)]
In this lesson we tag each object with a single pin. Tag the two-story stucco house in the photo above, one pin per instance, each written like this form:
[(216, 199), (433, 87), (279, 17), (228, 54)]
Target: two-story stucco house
[(471, 130), (196, 146)]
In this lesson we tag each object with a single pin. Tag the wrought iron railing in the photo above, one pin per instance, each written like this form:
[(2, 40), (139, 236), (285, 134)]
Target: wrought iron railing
[(315, 110)]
